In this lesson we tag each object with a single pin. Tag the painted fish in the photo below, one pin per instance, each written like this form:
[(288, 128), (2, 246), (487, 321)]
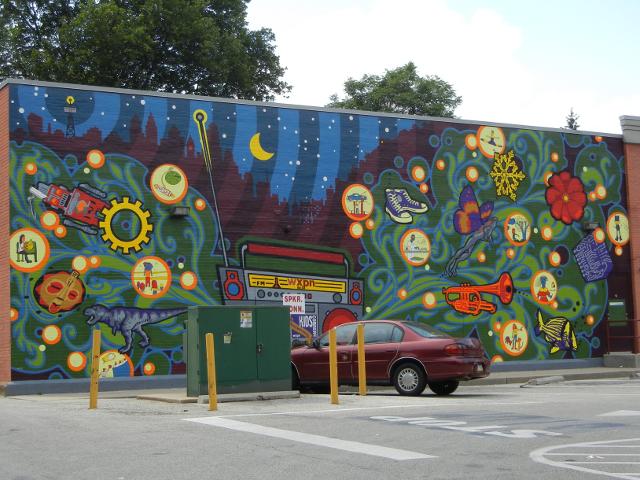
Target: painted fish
[(558, 332)]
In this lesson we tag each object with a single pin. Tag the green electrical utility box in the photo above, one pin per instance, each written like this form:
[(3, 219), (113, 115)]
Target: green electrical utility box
[(252, 349)]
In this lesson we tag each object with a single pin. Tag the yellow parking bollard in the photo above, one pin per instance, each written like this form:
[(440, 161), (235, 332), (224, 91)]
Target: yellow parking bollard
[(211, 373), (362, 369), (333, 366), (95, 370)]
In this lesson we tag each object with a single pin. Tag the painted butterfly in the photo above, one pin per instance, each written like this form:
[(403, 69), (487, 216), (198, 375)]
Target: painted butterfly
[(470, 216)]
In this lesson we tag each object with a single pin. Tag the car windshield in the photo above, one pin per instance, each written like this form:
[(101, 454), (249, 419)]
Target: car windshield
[(424, 330)]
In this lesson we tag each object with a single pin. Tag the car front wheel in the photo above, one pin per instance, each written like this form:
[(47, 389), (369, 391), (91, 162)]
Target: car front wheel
[(444, 388), (409, 379)]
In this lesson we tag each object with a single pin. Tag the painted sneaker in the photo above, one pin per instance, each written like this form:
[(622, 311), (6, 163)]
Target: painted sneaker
[(394, 208), (409, 204)]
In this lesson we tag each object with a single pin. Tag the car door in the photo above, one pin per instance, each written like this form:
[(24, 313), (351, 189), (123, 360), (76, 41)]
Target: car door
[(315, 366), (381, 343)]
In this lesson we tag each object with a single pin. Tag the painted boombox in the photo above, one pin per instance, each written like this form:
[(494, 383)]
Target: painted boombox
[(329, 300)]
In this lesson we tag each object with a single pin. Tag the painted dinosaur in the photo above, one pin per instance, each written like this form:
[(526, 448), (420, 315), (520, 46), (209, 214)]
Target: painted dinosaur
[(129, 320)]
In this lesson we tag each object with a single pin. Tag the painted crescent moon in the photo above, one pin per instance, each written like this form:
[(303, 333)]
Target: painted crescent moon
[(257, 150)]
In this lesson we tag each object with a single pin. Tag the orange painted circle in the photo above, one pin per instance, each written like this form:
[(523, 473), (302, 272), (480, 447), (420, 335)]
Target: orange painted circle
[(149, 368), (43, 251), (168, 193), (601, 192), (200, 204), (424, 188), (599, 236), (511, 253), (402, 294), (618, 251), (597, 138), (95, 261), (440, 164), (429, 300), (622, 229), (546, 233), (30, 168), (188, 280), (141, 277), (471, 141), (554, 258), (554, 156), (370, 224), (510, 230), (51, 334), (482, 257), (13, 314), (76, 361), (592, 196), (516, 333), (472, 174), (418, 173), (361, 207), (491, 140), (415, 253), (80, 264), (356, 230), (589, 320), (60, 231), (95, 158), (497, 326), (49, 220), (551, 290)]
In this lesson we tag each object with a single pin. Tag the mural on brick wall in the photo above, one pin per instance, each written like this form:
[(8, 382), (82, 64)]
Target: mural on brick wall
[(513, 236)]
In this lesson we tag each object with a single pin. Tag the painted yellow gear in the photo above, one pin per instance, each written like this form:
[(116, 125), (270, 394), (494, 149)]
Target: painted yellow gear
[(135, 208)]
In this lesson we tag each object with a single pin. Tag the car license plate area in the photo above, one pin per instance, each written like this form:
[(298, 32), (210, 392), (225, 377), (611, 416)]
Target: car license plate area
[(479, 368)]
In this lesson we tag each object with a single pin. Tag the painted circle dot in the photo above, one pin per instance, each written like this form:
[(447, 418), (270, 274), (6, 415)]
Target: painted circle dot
[(13, 314), (546, 177), (95, 158), (547, 233), (76, 361), (424, 188), (554, 304), (367, 309), (472, 174), (49, 220), (60, 231), (356, 230), (555, 258), (180, 265), (618, 250), (599, 235), (429, 300), (440, 164), (597, 138), (497, 326), (402, 294), (511, 253), (482, 257), (149, 368), (188, 280), (95, 261), (370, 224), (51, 334), (418, 174), (42, 348), (592, 196), (554, 156), (30, 168), (601, 192), (79, 264), (200, 204), (490, 333), (471, 141), (589, 320)]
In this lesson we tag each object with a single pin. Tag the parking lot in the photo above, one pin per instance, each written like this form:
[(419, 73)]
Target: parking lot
[(563, 430)]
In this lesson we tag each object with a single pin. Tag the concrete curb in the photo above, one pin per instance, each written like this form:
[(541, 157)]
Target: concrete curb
[(247, 397)]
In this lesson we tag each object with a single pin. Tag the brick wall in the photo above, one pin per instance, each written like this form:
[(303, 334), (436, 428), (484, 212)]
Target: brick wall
[(632, 161), (5, 321)]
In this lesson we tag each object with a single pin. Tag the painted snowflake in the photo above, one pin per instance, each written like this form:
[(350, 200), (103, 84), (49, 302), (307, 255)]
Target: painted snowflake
[(506, 175)]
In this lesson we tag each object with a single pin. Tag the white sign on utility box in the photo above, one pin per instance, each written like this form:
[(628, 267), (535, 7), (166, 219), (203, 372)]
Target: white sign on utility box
[(295, 302)]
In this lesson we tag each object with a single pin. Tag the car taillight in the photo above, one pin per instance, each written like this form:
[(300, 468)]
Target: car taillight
[(454, 349)]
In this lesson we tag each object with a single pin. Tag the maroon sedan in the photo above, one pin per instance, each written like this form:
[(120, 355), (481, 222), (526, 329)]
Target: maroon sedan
[(408, 355)]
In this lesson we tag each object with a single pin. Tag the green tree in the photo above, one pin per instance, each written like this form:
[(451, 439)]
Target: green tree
[(572, 120), (192, 46), (400, 90)]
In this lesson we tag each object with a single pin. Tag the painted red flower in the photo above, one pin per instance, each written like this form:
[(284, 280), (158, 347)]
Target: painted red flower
[(565, 195)]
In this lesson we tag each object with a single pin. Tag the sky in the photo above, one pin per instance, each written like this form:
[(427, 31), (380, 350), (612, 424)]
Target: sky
[(520, 62)]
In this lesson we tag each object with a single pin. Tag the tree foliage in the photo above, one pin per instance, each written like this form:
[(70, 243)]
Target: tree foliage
[(192, 46), (400, 90), (572, 120)]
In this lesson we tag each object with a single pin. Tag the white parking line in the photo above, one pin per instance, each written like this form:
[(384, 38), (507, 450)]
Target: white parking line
[(593, 455), (346, 445)]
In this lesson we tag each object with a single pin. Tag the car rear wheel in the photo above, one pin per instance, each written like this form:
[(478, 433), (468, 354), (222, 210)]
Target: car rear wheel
[(444, 388), (409, 379)]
